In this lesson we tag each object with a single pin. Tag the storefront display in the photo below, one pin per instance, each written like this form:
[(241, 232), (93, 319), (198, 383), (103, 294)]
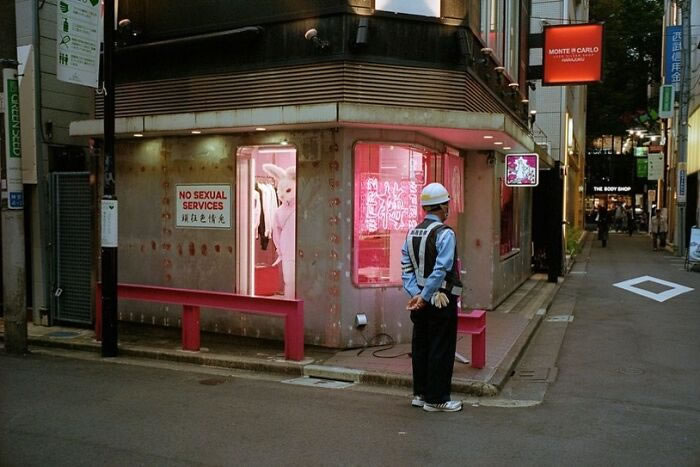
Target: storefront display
[(266, 219), (388, 181)]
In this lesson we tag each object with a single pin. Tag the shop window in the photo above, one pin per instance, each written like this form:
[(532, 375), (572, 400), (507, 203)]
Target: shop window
[(388, 182), (509, 222), (512, 40), (266, 221), (492, 19)]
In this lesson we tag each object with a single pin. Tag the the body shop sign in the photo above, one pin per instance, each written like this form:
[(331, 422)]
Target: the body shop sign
[(13, 150), (203, 206), (572, 54)]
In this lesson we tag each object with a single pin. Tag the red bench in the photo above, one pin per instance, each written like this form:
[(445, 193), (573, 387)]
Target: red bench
[(474, 323), (192, 300)]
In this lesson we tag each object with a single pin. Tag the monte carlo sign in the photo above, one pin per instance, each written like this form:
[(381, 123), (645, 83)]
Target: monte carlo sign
[(572, 54)]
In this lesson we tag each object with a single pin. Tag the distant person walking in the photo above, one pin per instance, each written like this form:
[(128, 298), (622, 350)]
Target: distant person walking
[(603, 221), (619, 215), (659, 227), (630, 221)]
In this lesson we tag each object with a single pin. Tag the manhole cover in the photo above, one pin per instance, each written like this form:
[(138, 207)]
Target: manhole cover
[(212, 381), (631, 371), (63, 334)]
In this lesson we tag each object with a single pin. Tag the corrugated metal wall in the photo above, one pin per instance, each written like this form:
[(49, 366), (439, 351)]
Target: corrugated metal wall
[(366, 83)]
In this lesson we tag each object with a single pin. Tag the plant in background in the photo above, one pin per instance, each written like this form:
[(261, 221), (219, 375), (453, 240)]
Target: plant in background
[(573, 235)]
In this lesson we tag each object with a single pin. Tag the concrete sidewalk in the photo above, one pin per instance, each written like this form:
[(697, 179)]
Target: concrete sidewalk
[(508, 331)]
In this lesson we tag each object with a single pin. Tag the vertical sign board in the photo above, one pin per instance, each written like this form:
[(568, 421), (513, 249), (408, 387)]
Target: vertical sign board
[(666, 99), (203, 206), (572, 54), (672, 56), (642, 167), (78, 41), (681, 191), (655, 168), (522, 170), (110, 223), (13, 149)]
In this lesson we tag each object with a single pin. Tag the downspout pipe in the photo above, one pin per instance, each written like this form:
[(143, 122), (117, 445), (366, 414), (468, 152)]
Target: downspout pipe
[(41, 173)]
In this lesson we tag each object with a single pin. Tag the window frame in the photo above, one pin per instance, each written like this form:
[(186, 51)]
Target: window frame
[(515, 234), (437, 174)]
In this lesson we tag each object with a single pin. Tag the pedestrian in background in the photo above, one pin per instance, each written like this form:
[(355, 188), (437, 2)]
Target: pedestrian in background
[(630, 220), (659, 227), (431, 277), (618, 218), (603, 221)]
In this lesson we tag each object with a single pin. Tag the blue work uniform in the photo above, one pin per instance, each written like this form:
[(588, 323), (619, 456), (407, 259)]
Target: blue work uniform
[(429, 264)]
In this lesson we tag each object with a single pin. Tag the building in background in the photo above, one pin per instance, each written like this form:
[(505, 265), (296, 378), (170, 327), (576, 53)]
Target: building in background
[(559, 127)]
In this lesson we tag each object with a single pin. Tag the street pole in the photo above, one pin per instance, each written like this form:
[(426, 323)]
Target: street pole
[(109, 199), (682, 182), (14, 286), (14, 290)]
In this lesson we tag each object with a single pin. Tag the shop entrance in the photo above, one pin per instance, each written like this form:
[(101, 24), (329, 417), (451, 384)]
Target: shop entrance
[(266, 220)]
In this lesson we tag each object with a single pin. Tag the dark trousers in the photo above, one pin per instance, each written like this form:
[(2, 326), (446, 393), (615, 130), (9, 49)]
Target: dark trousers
[(661, 237), (433, 351)]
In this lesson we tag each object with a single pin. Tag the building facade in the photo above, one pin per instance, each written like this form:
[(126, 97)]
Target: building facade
[(279, 151)]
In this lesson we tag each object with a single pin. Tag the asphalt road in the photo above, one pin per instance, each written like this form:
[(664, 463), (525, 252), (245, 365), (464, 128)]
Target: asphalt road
[(626, 393)]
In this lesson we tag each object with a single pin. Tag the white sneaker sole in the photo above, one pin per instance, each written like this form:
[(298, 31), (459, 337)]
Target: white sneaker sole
[(430, 408)]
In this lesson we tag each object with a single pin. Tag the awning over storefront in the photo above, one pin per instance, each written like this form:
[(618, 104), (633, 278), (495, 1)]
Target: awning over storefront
[(462, 130)]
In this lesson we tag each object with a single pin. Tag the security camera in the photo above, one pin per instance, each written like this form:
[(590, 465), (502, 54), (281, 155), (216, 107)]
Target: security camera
[(312, 35)]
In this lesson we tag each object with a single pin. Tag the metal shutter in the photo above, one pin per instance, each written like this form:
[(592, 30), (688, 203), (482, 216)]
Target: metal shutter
[(72, 235)]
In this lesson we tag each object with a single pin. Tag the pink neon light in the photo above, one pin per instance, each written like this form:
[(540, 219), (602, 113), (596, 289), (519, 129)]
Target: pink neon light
[(387, 203)]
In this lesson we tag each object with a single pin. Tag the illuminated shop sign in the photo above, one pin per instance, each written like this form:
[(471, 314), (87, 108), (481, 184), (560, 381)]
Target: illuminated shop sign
[(203, 206), (572, 54), (522, 170), (387, 203), (612, 189)]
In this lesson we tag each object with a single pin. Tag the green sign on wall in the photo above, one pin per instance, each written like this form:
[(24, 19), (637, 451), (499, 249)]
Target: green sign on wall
[(642, 167)]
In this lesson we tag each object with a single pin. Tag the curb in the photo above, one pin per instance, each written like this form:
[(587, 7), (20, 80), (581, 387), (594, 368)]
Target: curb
[(281, 367)]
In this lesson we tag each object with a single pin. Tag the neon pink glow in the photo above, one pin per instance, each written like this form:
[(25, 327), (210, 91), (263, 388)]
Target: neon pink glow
[(387, 203)]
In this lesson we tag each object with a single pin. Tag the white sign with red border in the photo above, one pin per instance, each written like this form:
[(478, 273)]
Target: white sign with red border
[(203, 206), (522, 170)]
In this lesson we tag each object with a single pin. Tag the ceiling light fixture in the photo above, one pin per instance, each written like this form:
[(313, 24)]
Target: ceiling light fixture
[(260, 129), (138, 135), (488, 137), (196, 132)]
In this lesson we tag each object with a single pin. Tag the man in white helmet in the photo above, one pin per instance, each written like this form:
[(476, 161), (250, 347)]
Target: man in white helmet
[(431, 277)]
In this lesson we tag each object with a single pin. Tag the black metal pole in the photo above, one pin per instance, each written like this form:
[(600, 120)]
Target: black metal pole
[(109, 248)]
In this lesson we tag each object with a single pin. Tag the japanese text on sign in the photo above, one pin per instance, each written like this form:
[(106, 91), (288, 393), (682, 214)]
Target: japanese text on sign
[(207, 206), (78, 41), (672, 55), (388, 204)]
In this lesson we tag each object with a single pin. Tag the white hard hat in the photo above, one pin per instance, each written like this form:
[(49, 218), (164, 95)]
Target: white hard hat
[(434, 194)]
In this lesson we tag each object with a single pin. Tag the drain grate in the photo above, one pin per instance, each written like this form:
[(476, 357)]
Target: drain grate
[(532, 374), (560, 319), (63, 334), (319, 383)]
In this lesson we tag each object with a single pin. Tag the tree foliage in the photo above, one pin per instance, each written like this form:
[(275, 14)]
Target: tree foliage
[(632, 62)]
